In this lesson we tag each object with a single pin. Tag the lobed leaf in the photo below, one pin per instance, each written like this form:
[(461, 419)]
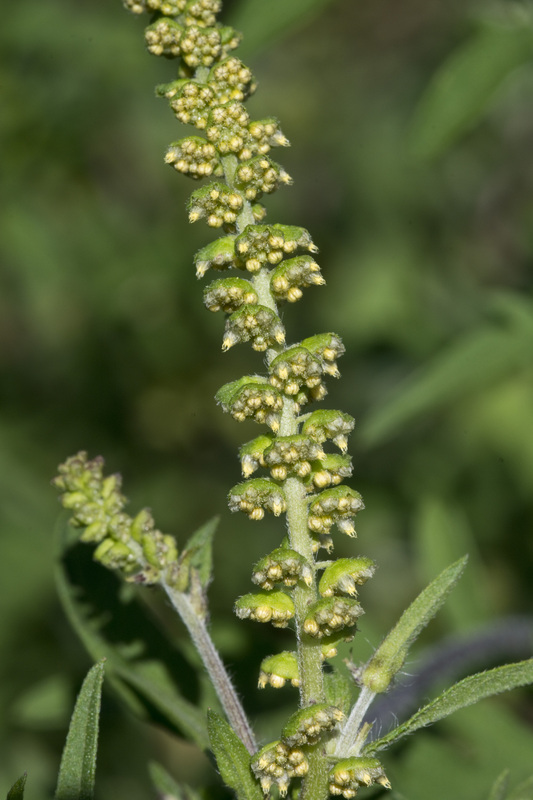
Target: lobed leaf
[(233, 760), (462, 694), (78, 762)]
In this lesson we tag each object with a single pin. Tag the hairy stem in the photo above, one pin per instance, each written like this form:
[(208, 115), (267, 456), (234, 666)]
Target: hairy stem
[(348, 741), (213, 663)]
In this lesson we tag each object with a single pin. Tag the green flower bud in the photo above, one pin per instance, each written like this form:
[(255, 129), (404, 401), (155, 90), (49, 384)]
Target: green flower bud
[(190, 101), (266, 133), (219, 254), (168, 8), (194, 157), (325, 424), (202, 12), (277, 763), (229, 294), (266, 245), (294, 368), (348, 775), (321, 541), (330, 470), (328, 347), (274, 607), (282, 565), (259, 175), (255, 496), (291, 454), (218, 203), (231, 80), (309, 725), (251, 454), (279, 668), (251, 397), (163, 38), (344, 575), (116, 555), (377, 675), (292, 275), (331, 614), (254, 323), (227, 128), (337, 505)]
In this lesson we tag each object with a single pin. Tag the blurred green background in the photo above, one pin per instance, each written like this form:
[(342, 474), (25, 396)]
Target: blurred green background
[(411, 126)]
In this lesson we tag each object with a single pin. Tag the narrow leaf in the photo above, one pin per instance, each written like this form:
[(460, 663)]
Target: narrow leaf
[(263, 22), (141, 664), (167, 788), (523, 791), (463, 694), (78, 762), (198, 552), (390, 655), (500, 786), (17, 790), (461, 90), (233, 760)]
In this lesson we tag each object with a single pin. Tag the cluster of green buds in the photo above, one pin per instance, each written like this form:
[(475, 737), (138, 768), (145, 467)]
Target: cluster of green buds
[(130, 545), (303, 452)]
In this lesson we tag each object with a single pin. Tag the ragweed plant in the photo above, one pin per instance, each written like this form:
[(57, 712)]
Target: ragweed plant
[(295, 468)]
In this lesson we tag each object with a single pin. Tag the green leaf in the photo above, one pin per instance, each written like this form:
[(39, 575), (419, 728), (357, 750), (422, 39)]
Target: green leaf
[(523, 791), (390, 655), (17, 790), (338, 690), (167, 788), (463, 87), (470, 364), (262, 22), (462, 694), (198, 551), (78, 762), (233, 760), (500, 786), (141, 663)]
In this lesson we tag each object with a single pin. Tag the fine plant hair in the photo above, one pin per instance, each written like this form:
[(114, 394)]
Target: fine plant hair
[(296, 469)]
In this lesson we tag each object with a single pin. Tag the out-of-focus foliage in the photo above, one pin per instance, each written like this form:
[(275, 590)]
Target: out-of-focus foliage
[(105, 344)]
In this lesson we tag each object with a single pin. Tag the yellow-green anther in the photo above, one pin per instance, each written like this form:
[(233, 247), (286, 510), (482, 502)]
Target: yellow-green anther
[(259, 175), (229, 294), (326, 424), (219, 204), (337, 505), (267, 245), (251, 454), (231, 80), (254, 323), (195, 157), (328, 347), (276, 670), (267, 134), (251, 397), (310, 724), (348, 775), (219, 254), (329, 644), (274, 607), (293, 275), (330, 470), (163, 37), (276, 763), (330, 615), (202, 12), (293, 369), (344, 575), (282, 565), (190, 101), (167, 7), (291, 454), (256, 496)]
